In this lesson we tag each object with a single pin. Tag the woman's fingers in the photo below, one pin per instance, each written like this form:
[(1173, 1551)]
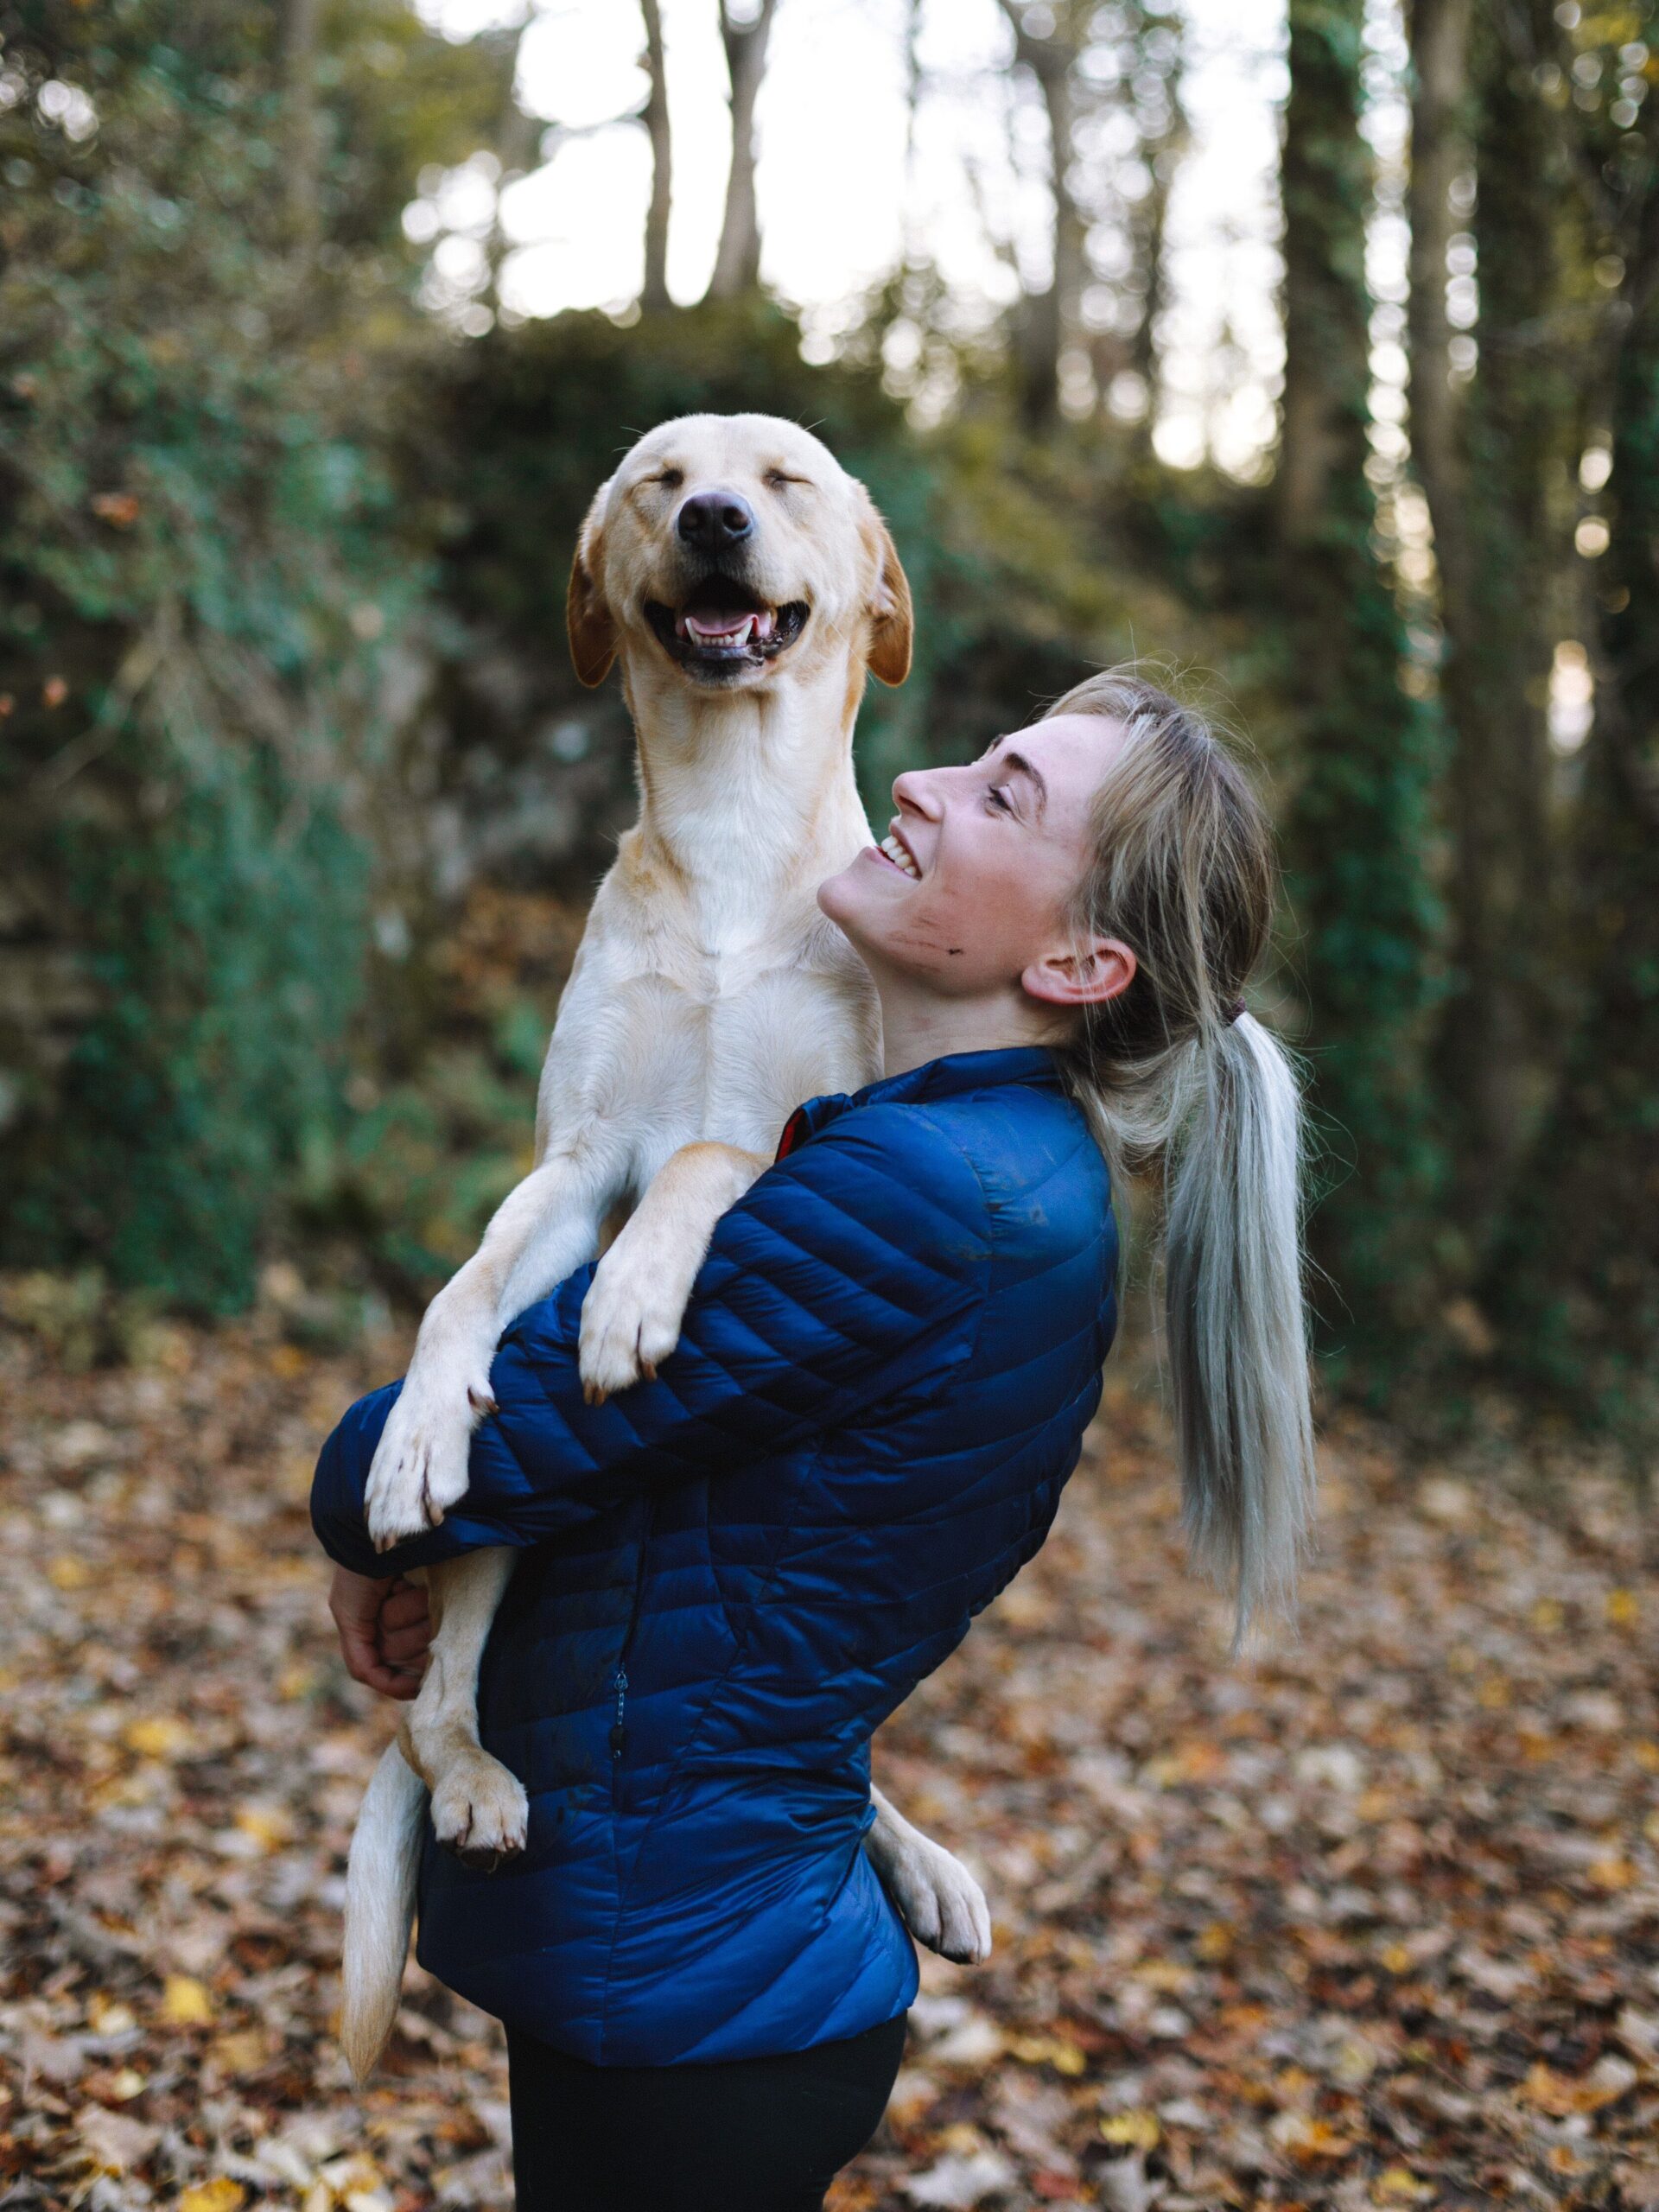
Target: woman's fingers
[(405, 1607), (355, 1602), (405, 1627), (359, 1649), (384, 1630), (406, 1647)]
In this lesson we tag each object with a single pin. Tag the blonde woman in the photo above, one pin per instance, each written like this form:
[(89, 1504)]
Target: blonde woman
[(743, 1566)]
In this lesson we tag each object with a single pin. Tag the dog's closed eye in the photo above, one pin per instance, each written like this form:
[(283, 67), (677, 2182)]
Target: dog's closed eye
[(776, 479)]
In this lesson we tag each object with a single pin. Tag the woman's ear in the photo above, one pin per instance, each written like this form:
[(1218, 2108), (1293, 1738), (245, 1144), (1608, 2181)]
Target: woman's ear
[(588, 618), (1102, 969), (892, 623)]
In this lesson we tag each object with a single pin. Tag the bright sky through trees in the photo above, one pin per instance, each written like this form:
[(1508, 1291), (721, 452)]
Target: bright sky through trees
[(836, 206)]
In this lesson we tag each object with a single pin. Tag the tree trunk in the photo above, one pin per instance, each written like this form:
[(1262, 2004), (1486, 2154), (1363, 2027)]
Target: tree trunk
[(302, 148), (1357, 833), (655, 298), (1574, 1281), (737, 263), (1149, 227), (1048, 313), (1439, 149), (1143, 347), (1483, 470), (1051, 310), (912, 110)]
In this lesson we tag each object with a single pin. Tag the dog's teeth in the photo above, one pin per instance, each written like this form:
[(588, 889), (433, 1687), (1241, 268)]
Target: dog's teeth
[(766, 624)]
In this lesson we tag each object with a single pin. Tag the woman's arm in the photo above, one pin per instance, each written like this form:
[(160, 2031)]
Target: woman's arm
[(821, 1293)]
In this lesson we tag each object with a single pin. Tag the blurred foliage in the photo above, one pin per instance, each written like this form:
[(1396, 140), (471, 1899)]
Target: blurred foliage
[(301, 803), (435, 1138), (202, 593)]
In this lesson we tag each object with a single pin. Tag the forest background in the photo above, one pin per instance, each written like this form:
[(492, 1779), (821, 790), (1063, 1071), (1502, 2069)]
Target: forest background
[(303, 804), (1311, 347)]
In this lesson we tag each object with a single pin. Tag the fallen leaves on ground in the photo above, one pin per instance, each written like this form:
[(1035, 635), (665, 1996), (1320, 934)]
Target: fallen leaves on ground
[(1370, 1920)]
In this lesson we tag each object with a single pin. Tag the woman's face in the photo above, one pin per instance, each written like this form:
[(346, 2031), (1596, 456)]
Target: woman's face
[(972, 895)]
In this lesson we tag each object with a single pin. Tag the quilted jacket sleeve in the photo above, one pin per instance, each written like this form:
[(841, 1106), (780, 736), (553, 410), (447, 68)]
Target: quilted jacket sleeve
[(853, 1268)]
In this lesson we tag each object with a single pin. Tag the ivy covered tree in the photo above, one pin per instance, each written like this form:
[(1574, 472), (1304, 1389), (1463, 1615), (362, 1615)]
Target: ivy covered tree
[(1574, 1281), (1489, 456), (1359, 834), (202, 581)]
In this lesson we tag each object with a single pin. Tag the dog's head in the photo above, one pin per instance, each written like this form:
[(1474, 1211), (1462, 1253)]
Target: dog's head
[(732, 548)]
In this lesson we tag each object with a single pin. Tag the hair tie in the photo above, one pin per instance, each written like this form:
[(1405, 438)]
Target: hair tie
[(1237, 1007)]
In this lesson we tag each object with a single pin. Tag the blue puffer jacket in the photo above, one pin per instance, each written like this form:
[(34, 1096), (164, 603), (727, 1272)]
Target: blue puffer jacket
[(743, 1567)]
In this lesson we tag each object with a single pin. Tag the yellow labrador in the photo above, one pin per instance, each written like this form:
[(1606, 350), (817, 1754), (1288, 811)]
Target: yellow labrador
[(745, 583)]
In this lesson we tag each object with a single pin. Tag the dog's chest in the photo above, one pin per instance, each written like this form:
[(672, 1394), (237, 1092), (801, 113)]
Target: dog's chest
[(728, 1054)]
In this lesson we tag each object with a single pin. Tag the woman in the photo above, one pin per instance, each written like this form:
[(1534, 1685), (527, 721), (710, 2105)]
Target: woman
[(885, 1374)]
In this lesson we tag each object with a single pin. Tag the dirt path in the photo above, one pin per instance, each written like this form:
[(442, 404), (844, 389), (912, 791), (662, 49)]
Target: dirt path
[(1374, 1923)]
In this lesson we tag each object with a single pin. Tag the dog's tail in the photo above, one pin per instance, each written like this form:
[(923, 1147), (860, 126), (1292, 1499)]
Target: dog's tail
[(379, 1908)]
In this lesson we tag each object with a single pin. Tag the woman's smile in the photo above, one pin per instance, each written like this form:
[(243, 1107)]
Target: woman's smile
[(893, 849)]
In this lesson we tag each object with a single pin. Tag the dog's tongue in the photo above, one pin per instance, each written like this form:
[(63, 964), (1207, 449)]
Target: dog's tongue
[(726, 628)]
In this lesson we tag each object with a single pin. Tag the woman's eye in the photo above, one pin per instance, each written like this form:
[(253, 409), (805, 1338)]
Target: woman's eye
[(998, 797)]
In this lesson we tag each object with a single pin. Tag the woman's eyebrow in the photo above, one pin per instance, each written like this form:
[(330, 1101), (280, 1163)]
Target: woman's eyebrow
[(1021, 766)]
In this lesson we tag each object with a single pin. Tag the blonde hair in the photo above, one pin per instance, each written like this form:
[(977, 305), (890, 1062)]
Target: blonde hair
[(1174, 1074)]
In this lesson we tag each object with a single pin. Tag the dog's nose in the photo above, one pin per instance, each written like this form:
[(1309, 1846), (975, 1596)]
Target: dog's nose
[(713, 520)]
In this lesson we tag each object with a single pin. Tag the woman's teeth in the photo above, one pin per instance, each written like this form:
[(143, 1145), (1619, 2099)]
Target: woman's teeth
[(896, 852)]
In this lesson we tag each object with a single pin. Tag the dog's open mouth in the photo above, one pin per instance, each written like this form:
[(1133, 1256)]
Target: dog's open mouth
[(723, 627)]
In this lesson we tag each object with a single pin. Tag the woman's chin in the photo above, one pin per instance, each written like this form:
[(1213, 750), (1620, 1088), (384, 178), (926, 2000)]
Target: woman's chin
[(861, 901), (838, 895)]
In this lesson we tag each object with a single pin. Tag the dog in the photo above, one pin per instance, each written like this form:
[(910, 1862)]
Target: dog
[(745, 583)]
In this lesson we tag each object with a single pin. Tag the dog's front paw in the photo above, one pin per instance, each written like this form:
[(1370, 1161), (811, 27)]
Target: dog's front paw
[(479, 1811), (630, 1319), (419, 1465), (942, 1905)]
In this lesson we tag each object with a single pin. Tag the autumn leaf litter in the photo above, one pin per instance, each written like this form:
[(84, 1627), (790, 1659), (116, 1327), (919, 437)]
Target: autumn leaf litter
[(1371, 1922)]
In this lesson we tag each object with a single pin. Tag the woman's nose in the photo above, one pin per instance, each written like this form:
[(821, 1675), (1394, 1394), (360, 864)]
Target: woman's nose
[(917, 790)]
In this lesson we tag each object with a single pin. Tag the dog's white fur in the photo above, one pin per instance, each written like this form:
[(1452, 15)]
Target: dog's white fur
[(709, 997)]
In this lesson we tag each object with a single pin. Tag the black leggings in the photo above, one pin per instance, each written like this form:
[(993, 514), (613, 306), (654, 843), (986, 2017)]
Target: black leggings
[(745, 2135)]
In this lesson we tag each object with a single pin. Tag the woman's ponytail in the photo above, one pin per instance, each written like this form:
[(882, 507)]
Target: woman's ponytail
[(1234, 1315), (1174, 1074)]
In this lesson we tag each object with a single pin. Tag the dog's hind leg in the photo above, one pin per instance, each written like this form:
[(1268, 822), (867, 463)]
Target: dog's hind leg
[(479, 1810)]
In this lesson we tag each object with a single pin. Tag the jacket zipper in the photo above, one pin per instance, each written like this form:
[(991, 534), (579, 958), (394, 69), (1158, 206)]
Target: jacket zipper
[(620, 1680)]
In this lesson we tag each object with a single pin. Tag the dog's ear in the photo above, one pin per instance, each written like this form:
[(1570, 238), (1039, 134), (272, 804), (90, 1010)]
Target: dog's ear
[(587, 617), (893, 623)]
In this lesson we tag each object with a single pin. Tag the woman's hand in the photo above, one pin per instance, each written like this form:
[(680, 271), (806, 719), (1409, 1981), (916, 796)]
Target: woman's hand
[(384, 1629)]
